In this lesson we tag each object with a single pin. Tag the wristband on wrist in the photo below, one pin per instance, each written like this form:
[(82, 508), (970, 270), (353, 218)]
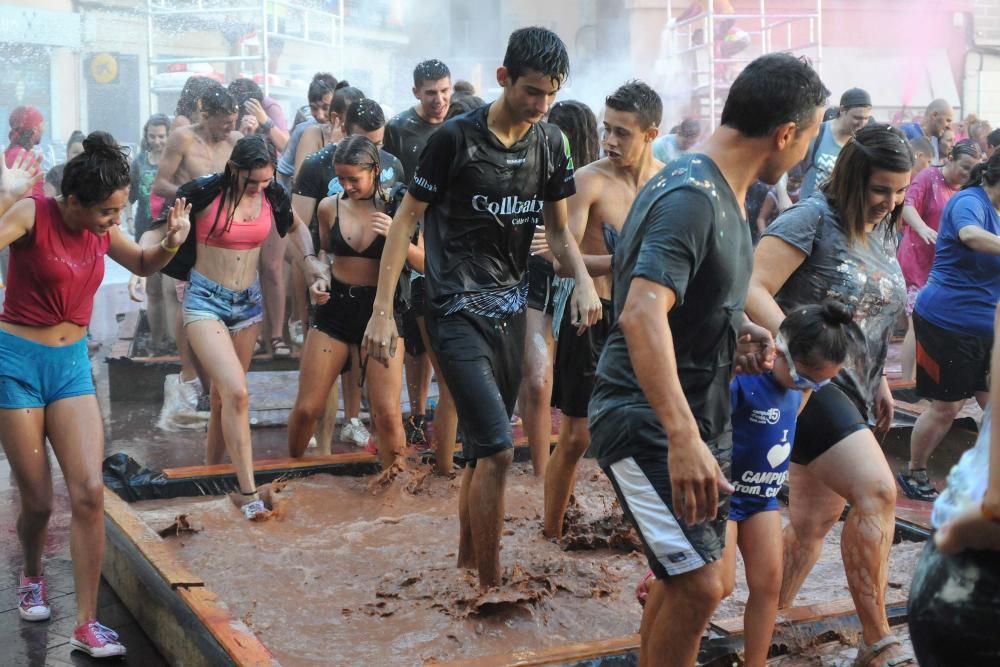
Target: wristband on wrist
[(267, 125), (164, 246), (988, 514)]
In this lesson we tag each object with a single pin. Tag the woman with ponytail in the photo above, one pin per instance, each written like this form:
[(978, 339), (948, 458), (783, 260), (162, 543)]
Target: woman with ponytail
[(47, 391), (953, 318), (840, 243), (233, 213), (353, 225)]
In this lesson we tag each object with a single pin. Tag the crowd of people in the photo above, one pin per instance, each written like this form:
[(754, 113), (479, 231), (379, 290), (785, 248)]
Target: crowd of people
[(710, 314)]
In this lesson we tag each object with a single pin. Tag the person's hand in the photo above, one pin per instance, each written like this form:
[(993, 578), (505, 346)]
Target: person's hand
[(17, 180), (381, 337), (381, 223), (540, 245), (642, 590), (319, 291), (885, 407), (255, 109), (137, 288), (928, 234), (585, 305), (696, 479), (755, 350), (178, 223), (969, 530), (248, 125), (318, 274)]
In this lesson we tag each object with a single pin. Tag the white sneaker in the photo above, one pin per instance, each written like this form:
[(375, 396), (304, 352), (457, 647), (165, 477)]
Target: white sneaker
[(188, 393), (296, 332), (354, 431)]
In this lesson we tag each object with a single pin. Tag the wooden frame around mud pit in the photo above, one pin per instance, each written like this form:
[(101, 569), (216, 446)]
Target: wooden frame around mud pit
[(186, 622)]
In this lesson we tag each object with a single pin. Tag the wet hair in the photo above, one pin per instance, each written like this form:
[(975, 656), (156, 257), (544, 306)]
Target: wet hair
[(152, 121), (251, 152), (321, 84), (358, 150), (194, 89), (77, 137), (463, 87), (344, 96), (244, 89), (638, 98), (689, 127), (218, 102), (985, 173), (922, 145), (461, 104), (872, 147), (579, 124), (966, 147), (98, 172), (820, 334), (430, 70), (539, 50), (772, 90), (993, 138), (365, 114)]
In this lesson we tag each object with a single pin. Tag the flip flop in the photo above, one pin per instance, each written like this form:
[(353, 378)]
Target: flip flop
[(866, 654)]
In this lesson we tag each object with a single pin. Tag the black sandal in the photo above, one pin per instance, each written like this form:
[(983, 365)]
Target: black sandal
[(280, 349)]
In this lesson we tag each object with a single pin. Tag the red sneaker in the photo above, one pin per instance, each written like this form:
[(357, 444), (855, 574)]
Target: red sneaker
[(97, 640), (32, 599)]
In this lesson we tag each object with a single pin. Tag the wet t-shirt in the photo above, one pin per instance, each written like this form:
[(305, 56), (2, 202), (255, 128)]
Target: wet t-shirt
[(686, 232), (140, 187), (317, 179), (406, 134), (485, 200), (928, 194), (865, 276)]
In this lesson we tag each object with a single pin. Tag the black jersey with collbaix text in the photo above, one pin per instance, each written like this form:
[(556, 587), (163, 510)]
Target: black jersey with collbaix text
[(406, 134), (484, 202)]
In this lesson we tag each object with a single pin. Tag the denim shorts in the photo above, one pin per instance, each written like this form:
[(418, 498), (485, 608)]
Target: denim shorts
[(33, 375), (206, 299)]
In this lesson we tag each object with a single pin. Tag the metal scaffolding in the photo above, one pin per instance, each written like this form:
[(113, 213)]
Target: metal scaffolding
[(698, 41)]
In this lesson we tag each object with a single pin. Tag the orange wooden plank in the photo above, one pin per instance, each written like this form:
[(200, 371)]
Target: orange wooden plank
[(238, 640), (555, 655), (270, 464), (804, 614), (149, 544)]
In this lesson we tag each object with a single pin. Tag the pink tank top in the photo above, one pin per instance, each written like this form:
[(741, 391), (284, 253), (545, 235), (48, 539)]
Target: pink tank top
[(54, 272), (237, 234)]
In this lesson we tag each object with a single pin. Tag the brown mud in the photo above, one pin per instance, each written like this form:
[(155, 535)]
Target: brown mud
[(362, 570)]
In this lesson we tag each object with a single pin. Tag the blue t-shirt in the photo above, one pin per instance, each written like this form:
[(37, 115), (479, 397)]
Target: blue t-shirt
[(914, 131), (964, 286), (764, 415)]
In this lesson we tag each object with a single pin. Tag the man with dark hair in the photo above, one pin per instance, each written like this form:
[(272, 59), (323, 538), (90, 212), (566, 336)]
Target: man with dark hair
[(405, 137), (199, 149), (937, 117), (258, 113), (992, 141), (659, 412), (484, 182), (605, 190), (853, 113), (923, 155), (679, 141)]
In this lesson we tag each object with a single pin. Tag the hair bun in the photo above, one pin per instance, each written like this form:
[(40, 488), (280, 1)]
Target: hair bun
[(101, 144), (837, 312), (343, 83)]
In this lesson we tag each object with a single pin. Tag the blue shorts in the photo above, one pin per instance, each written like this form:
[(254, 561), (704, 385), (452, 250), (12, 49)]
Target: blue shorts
[(206, 299), (33, 375)]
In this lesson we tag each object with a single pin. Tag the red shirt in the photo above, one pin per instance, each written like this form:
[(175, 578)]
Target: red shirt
[(929, 193), (9, 155), (53, 272)]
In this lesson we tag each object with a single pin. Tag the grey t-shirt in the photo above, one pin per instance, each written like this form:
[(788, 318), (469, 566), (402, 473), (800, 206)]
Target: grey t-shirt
[(824, 156), (865, 276)]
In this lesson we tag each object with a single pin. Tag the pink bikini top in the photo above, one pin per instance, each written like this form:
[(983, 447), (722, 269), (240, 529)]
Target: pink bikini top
[(235, 234)]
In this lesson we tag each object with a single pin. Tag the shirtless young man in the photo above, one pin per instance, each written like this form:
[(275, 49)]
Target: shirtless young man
[(199, 149), (605, 191)]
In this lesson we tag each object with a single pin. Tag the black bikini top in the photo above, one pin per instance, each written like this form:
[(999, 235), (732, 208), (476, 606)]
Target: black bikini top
[(339, 247)]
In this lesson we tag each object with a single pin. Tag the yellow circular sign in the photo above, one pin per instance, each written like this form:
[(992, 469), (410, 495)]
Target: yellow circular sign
[(104, 68)]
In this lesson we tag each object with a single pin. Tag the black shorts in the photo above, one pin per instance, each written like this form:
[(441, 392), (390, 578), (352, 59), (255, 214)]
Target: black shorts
[(540, 291), (345, 316), (642, 484), (576, 362), (829, 417), (953, 612), (480, 359), (950, 366), (411, 332)]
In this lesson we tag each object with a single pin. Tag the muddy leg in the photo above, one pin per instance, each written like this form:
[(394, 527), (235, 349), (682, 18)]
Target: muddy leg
[(560, 475), (485, 503), (466, 554), (671, 639)]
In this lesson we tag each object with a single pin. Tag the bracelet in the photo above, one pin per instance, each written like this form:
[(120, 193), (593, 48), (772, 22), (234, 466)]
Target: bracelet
[(164, 246), (267, 125), (987, 514), (307, 255)]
